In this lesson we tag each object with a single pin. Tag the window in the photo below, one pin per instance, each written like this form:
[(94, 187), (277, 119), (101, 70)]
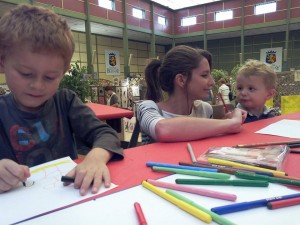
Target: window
[(263, 8), (223, 15), (187, 21), (138, 13), (162, 20), (108, 4)]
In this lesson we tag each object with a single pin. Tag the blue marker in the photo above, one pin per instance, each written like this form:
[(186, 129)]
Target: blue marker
[(249, 205), (151, 164)]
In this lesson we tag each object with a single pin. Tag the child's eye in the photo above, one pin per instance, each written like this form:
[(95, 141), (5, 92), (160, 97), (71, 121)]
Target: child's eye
[(26, 74), (50, 78)]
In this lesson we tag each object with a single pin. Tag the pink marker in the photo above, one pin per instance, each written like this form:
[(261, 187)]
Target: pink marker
[(198, 191)]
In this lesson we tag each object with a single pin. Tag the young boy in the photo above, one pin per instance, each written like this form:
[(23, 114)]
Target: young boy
[(255, 84), (37, 122)]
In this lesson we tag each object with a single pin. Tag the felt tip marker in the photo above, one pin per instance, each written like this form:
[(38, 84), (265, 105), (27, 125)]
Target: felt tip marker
[(151, 164), (140, 214), (215, 217), (180, 204), (192, 172), (194, 190), (236, 207), (243, 183), (284, 203)]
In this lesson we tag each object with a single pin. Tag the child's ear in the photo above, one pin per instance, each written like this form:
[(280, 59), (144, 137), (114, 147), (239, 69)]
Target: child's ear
[(272, 93)]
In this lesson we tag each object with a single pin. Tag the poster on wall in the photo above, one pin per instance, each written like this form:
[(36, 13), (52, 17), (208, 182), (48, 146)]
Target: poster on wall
[(112, 62), (273, 57)]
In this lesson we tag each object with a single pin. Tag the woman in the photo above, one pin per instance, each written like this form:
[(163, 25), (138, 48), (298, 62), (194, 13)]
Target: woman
[(184, 74)]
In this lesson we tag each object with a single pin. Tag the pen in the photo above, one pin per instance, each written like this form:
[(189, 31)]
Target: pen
[(140, 214), (151, 164), (181, 204), (283, 203), (225, 107), (193, 190), (268, 143), (67, 179), (190, 149), (215, 217), (243, 183), (243, 166), (192, 172), (225, 169), (252, 176), (251, 204)]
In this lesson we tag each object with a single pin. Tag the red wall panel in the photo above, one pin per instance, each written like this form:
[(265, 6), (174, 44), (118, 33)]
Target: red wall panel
[(295, 13), (271, 17), (250, 20), (145, 24), (196, 28), (232, 23), (214, 25), (295, 3), (56, 3), (181, 30), (76, 6), (232, 4), (115, 16), (98, 11)]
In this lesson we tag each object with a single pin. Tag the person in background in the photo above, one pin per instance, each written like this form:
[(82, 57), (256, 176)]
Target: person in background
[(223, 91), (37, 122), (112, 98), (185, 75), (255, 84)]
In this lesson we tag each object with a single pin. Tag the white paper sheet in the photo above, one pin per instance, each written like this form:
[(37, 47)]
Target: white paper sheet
[(47, 192), (118, 208), (284, 128)]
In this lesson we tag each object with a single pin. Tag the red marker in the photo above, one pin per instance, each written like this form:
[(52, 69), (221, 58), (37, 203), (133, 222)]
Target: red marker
[(284, 203), (140, 214)]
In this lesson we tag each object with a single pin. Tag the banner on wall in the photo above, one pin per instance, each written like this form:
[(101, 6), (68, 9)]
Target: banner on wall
[(273, 57), (112, 62)]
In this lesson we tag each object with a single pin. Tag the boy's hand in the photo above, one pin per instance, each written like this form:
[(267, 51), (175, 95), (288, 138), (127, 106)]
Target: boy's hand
[(237, 116), (11, 173), (92, 171)]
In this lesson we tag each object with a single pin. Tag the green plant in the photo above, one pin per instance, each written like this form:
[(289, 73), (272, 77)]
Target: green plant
[(77, 81)]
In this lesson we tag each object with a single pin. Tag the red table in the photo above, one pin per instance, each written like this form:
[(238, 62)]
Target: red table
[(132, 170), (105, 112)]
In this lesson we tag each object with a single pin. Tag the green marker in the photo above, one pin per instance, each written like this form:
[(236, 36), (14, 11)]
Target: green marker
[(251, 176), (192, 172), (245, 183), (217, 218)]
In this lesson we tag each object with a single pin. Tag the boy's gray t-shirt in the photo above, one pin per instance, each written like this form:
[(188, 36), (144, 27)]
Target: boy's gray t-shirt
[(48, 134)]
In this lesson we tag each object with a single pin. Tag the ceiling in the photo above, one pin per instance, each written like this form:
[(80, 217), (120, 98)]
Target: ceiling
[(105, 30), (177, 4)]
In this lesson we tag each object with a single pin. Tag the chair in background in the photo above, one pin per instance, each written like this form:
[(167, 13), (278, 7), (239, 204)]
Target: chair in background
[(219, 112)]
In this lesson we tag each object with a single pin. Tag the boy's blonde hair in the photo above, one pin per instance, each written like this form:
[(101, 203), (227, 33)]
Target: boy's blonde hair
[(257, 68), (39, 28)]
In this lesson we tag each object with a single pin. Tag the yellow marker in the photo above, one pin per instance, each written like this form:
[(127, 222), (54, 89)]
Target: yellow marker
[(179, 203), (243, 166)]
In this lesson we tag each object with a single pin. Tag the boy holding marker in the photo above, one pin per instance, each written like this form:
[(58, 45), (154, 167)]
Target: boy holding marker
[(37, 122), (255, 84)]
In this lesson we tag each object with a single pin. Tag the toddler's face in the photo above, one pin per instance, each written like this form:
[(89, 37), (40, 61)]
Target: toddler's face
[(32, 77), (252, 93)]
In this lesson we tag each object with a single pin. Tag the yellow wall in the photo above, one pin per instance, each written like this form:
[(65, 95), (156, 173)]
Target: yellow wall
[(2, 78)]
